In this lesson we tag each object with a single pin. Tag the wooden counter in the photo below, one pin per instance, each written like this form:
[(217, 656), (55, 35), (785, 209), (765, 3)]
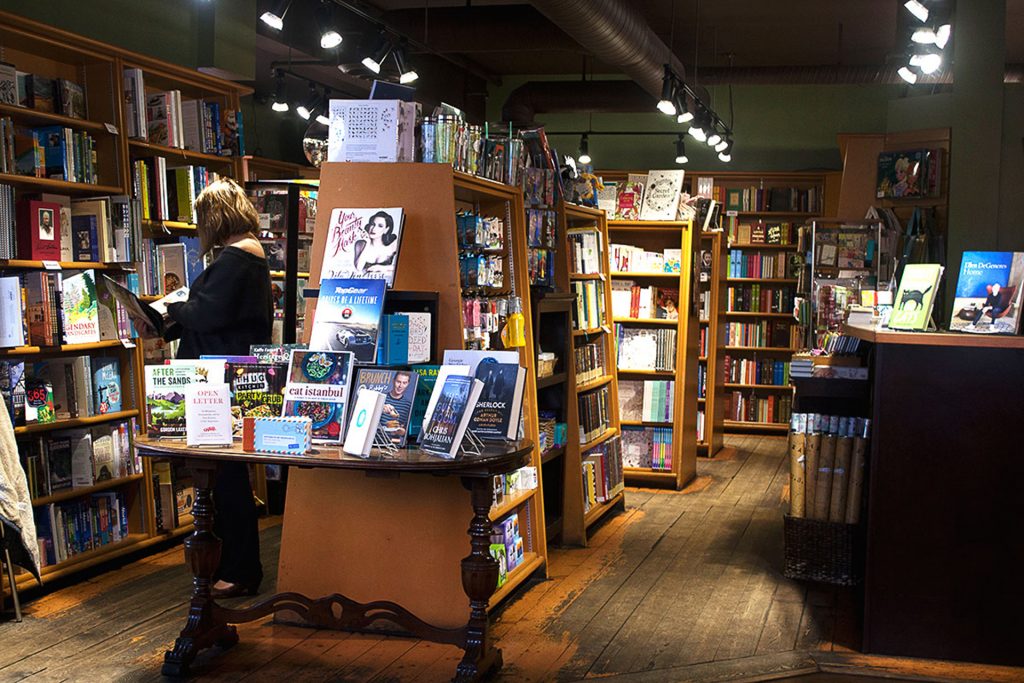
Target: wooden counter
[(945, 541)]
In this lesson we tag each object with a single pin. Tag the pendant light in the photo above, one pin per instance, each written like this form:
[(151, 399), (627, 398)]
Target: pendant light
[(584, 157), (280, 102), (681, 157), (274, 17), (324, 17)]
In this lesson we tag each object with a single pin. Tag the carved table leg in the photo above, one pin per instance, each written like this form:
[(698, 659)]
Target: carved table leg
[(479, 579), (202, 549)]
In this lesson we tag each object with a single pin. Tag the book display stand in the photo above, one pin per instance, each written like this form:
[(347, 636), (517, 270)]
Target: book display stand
[(382, 442)]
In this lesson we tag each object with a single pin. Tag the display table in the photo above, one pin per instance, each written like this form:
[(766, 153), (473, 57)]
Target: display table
[(945, 545), (211, 624)]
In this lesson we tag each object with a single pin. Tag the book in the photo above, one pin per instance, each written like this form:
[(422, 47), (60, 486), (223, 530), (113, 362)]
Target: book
[(661, 197), (442, 374), (399, 390), (988, 293), (70, 98), (393, 346), (274, 353), (8, 84), (366, 414), (172, 264), (38, 230), (165, 398), (912, 308), (453, 408), (363, 243), (257, 390), (12, 318), (347, 317), (903, 174), (39, 407), (149, 319), (104, 464), (39, 91), (80, 308), (58, 463), (500, 404), (85, 244), (318, 388), (424, 390), (419, 336), (208, 414)]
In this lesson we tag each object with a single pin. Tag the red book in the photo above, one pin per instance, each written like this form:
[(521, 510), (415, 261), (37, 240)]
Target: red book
[(38, 230)]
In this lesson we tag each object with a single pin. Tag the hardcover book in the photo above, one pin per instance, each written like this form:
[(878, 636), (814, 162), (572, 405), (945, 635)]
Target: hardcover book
[(106, 382), (8, 84), (80, 308), (318, 388), (348, 317), (85, 244), (165, 397), (419, 336), (257, 390), (172, 265), (363, 243), (38, 230), (903, 174), (399, 390), (500, 405), (988, 293), (661, 198), (912, 309), (424, 390), (445, 429)]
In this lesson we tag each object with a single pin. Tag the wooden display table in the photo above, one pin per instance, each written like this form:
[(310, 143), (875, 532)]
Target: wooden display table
[(944, 542), (211, 624)]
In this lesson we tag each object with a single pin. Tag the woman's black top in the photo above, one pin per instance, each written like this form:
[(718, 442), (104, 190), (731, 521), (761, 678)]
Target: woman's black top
[(229, 308)]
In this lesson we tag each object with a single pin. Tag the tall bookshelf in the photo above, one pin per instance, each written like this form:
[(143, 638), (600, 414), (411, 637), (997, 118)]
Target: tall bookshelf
[(656, 236), (594, 340), (49, 52), (710, 390)]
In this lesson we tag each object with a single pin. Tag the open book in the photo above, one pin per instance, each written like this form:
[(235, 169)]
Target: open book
[(149, 319)]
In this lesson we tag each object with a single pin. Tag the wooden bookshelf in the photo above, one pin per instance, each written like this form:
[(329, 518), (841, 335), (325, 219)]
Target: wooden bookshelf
[(657, 236), (75, 422), (261, 168), (712, 329)]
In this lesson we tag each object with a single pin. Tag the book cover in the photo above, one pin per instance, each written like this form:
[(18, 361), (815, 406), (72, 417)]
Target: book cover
[(40, 92), (193, 259), (900, 173), (347, 317), (424, 390), (274, 353), (80, 308), (631, 398), (165, 398), (499, 407), (318, 388), (58, 463), (257, 390), (174, 273), (38, 230), (106, 382), (39, 401), (912, 308), (70, 98), (419, 336), (393, 348), (366, 415), (363, 243), (85, 244), (661, 199), (399, 390), (8, 84), (81, 458), (104, 465), (988, 293), (208, 409), (668, 304), (158, 115), (446, 427), (12, 319)]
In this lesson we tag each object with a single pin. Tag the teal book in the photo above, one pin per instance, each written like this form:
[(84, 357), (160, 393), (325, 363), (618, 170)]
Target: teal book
[(106, 382), (427, 378), (393, 348)]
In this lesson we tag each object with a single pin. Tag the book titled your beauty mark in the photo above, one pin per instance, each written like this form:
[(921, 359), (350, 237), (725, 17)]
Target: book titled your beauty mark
[(348, 317)]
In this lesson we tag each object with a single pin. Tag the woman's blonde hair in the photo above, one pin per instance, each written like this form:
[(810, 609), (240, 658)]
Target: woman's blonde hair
[(222, 211)]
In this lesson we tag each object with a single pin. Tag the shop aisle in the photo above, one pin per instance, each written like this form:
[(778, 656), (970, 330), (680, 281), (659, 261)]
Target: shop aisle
[(682, 586)]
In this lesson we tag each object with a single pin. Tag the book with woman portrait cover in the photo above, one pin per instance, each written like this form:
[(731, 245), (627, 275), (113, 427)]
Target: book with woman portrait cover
[(363, 244)]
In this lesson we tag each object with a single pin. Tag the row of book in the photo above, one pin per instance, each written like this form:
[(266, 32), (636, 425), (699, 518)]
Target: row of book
[(702, 380), (701, 425), (759, 299), (647, 447), (626, 258), (763, 334), (55, 152), (588, 311), (507, 545), (647, 400), (763, 371), (593, 414), (513, 483), (41, 93), (828, 366), (741, 407), (760, 232), (646, 349), (827, 458), (60, 388), (584, 250), (755, 198), (630, 300), (67, 529), (602, 473), (758, 264), (167, 265), (78, 458), (168, 193), (590, 362), (164, 118)]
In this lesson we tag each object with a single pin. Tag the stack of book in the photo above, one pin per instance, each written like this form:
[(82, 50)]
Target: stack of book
[(760, 232), (593, 414), (590, 362), (76, 386), (630, 300), (589, 307), (626, 258), (47, 152), (647, 447), (78, 458), (750, 408), (762, 334), (764, 371), (647, 400), (584, 250), (168, 194), (602, 473), (758, 299), (68, 529), (757, 265)]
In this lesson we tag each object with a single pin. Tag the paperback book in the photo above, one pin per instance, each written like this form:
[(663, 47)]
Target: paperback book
[(661, 198), (427, 375), (453, 409), (257, 390), (165, 397), (106, 382), (363, 244), (988, 293), (399, 390), (318, 388), (80, 308), (347, 317), (912, 309)]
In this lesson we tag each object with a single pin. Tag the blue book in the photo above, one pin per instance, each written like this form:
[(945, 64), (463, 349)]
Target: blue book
[(393, 348), (501, 400), (85, 239), (348, 315), (447, 425), (193, 259), (55, 158), (106, 382)]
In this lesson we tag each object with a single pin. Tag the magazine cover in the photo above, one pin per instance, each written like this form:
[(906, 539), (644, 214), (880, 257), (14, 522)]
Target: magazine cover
[(399, 389), (348, 317), (318, 388), (363, 243), (916, 296), (988, 293)]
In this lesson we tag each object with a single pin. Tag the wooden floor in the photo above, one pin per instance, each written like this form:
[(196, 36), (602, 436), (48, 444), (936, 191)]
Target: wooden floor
[(681, 586)]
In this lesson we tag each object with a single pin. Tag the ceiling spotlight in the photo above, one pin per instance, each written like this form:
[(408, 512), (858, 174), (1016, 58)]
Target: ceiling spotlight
[(324, 17), (917, 8), (665, 104), (274, 17), (697, 127), (942, 35), (681, 150), (280, 102), (584, 157), (714, 138), (684, 116), (726, 154), (933, 36), (322, 112), (309, 106), (928, 62), (907, 74), (721, 145), (378, 56), (406, 74)]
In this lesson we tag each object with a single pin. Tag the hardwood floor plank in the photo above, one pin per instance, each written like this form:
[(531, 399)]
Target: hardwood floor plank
[(781, 627)]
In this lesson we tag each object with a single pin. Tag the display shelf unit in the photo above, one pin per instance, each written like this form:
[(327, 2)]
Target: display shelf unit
[(262, 168), (712, 321), (657, 236), (578, 519), (430, 195)]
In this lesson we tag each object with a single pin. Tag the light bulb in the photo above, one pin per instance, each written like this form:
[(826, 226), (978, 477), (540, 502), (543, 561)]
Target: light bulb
[(916, 8), (714, 139), (682, 159), (272, 20), (666, 107), (585, 158), (942, 35), (330, 39), (907, 74), (684, 117), (721, 145), (698, 133)]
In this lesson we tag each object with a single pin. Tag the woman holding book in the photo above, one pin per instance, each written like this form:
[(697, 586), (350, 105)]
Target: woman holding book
[(229, 308)]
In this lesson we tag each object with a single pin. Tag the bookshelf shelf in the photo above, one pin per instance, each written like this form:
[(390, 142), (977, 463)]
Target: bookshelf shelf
[(774, 214), (594, 384), (76, 422), (768, 280), (87, 559), (58, 186), (643, 475), (509, 503), (764, 387), (646, 423), (758, 314), (614, 226), (628, 275), (64, 348), (171, 226), (70, 494), (531, 562), (771, 349), (551, 380), (784, 247), (597, 441), (647, 321), (552, 453), (143, 148), (598, 511), (758, 426), (586, 276), (650, 373), (44, 118), (584, 333), (65, 265)]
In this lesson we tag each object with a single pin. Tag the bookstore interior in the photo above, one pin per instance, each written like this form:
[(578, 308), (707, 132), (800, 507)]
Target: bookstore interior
[(406, 340)]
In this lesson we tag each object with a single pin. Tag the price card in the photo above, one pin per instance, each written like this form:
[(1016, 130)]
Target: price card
[(732, 213), (51, 265), (128, 343), (111, 128)]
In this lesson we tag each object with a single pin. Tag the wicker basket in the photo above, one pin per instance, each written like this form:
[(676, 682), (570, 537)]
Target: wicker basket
[(829, 552), (546, 368)]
